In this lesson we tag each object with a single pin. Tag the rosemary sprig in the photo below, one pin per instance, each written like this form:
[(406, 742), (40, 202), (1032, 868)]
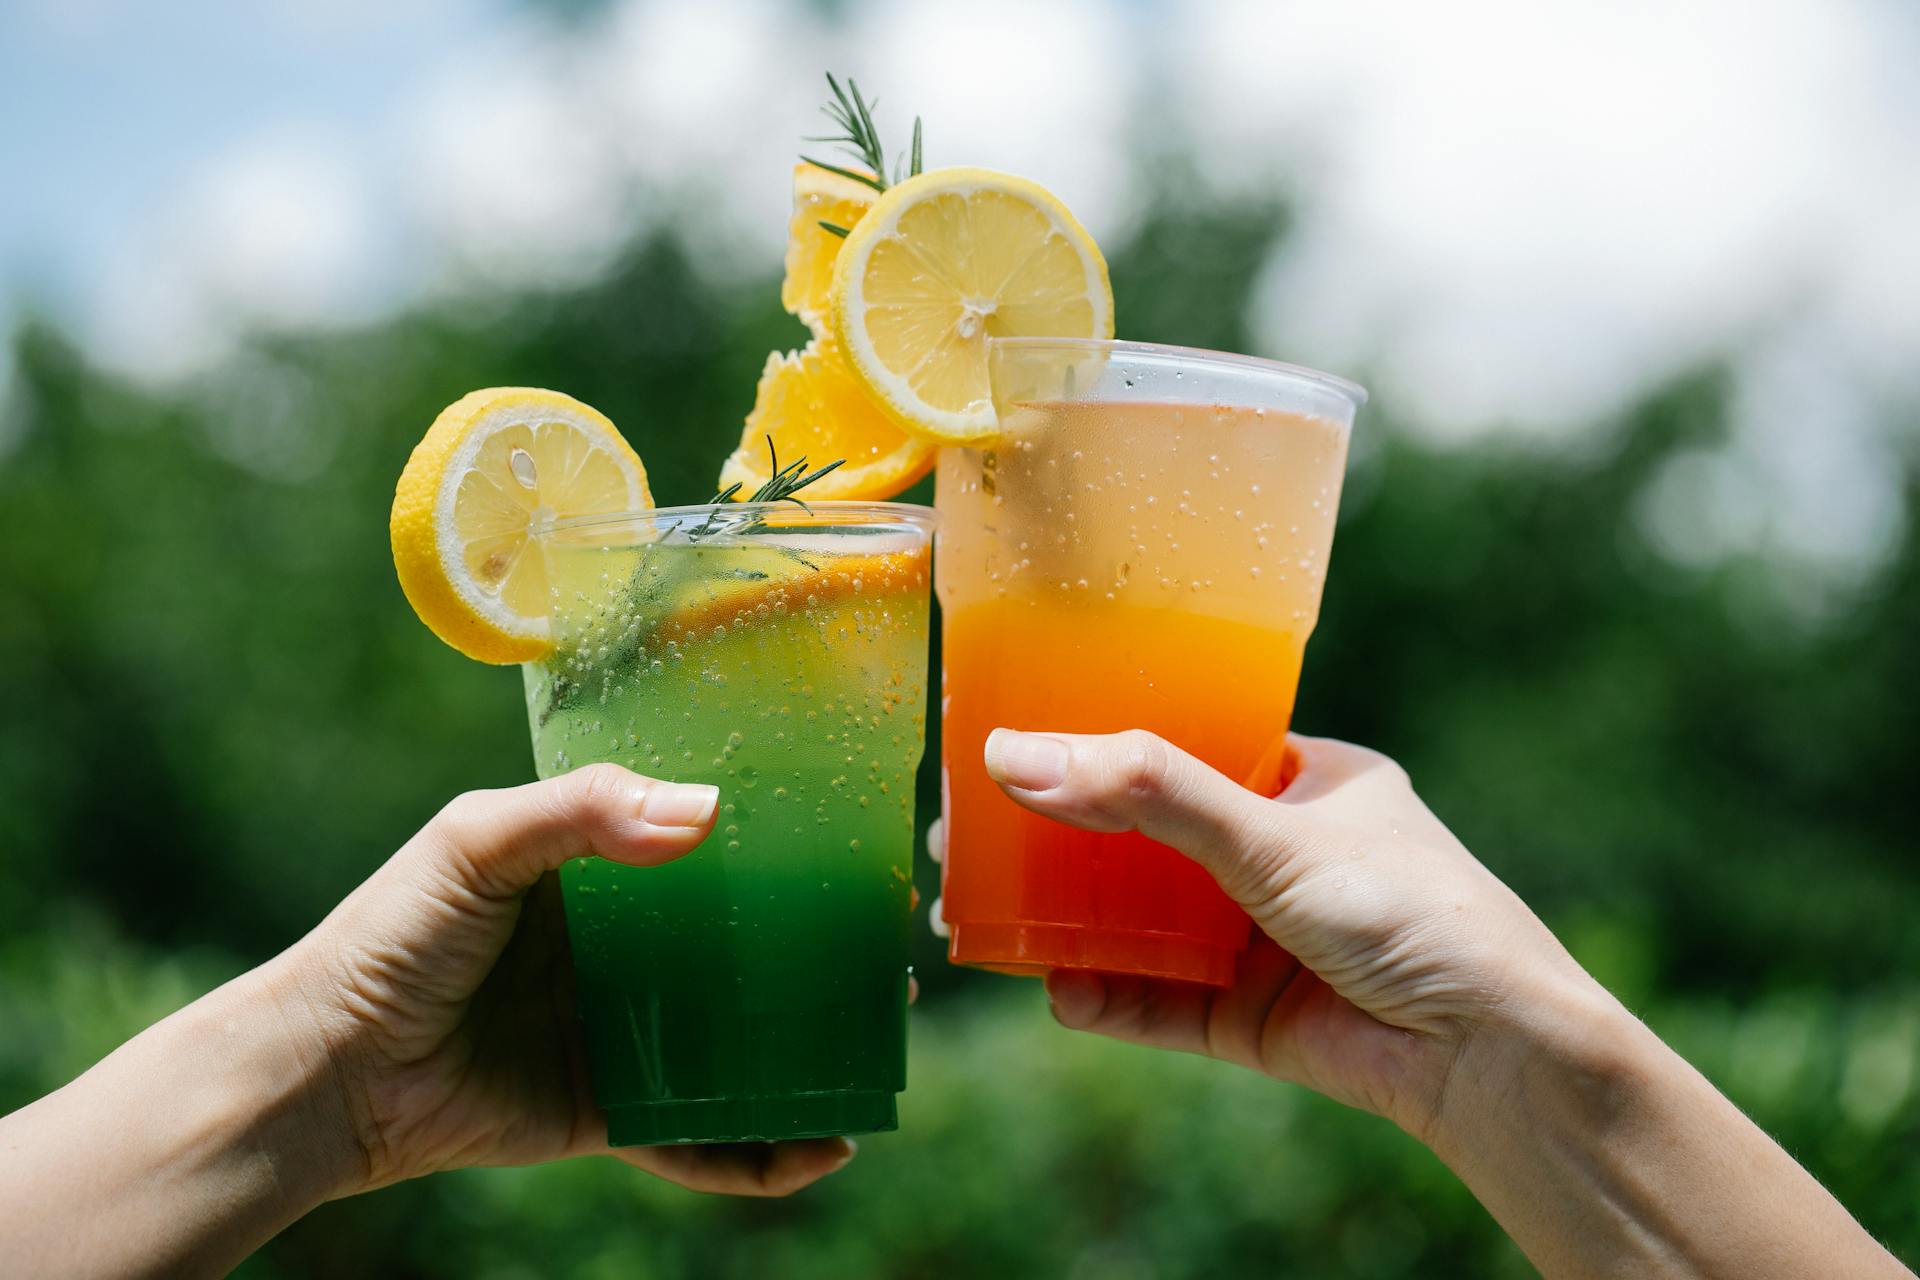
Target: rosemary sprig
[(619, 638), (784, 483), (861, 140), (914, 168)]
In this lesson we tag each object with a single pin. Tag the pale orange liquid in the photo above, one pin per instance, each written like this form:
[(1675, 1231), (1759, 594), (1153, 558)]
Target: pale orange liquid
[(1121, 566)]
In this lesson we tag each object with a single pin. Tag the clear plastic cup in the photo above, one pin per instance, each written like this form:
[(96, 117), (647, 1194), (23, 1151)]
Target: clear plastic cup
[(1143, 547), (757, 987)]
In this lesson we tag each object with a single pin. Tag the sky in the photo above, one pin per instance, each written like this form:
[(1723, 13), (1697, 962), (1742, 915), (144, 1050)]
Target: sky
[(1512, 219)]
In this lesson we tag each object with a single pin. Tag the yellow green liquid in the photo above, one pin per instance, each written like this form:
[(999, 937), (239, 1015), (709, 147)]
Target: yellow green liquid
[(756, 988)]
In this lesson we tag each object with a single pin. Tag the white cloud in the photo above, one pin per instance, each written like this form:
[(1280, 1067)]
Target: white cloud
[(1510, 217), (1041, 89), (1521, 218), (148, 317), (277, 232), (529, 157), (286, 232), (505, 167), (1522, 215), (705, 104), (536, 157), (1812, 426)]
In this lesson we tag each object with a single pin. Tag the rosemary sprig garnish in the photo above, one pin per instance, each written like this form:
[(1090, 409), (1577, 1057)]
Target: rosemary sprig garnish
[(861, 140), (913, 170), (784, 483), (624, 630)]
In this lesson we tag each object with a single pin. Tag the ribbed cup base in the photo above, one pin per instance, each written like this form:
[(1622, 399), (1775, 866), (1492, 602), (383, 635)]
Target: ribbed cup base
[(1035, 948), (768, 1118)]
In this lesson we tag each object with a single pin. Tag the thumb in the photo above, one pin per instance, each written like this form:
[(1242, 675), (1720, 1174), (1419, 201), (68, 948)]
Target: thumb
[(498, 843), (1135, 781)]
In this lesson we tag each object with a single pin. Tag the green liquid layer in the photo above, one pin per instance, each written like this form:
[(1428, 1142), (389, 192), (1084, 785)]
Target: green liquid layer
[(756, 988)]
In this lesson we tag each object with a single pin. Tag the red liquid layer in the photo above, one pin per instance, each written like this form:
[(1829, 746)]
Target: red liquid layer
[(1023, 893)]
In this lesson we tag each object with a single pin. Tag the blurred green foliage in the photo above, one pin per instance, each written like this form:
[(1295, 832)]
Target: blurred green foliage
[(219, 715)]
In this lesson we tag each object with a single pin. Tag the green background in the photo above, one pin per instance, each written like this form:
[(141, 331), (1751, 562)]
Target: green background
[(220, 714)]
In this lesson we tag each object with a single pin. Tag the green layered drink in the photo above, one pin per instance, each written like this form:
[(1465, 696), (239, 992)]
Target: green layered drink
[(756, 988)]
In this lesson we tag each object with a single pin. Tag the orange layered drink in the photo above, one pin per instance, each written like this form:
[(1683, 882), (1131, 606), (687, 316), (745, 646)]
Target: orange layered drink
[(1142, 546)]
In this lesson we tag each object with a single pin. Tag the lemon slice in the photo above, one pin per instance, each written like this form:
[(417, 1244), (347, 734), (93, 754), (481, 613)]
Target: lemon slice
[(494, 464), (818, 196), (812, 407), (939, 264)]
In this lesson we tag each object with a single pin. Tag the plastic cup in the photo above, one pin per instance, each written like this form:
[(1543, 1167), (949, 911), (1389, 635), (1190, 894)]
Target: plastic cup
[(1143, 547), (756, 988)]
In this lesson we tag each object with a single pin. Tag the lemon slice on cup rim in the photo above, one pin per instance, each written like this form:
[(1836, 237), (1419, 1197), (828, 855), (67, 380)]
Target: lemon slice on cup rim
[(495, 465), (942, 262)]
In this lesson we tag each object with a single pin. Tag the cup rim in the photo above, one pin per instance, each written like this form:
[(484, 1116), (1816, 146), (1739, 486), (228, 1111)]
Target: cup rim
[(896, 513), (1191, 355)]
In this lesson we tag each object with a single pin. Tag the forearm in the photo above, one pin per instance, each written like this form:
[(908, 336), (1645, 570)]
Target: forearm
[(1603, 1153), (179, 1153)]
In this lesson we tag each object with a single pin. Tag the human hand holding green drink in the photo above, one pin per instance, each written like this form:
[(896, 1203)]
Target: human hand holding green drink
[(757, 988), (776, 649)]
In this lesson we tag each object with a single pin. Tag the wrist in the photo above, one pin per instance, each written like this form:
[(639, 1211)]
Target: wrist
[(1559, 1051), (183, 1150), (278, 1103), (1601, 1152)]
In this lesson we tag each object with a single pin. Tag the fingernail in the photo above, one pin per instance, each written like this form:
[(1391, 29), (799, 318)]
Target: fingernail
[(679, 804), (1029, 761)]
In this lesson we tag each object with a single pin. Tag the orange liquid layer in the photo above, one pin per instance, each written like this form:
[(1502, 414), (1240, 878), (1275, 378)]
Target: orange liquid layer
[(1023, 893), (1118, 565)]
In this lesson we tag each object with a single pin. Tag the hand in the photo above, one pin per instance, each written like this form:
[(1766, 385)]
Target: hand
[(1395, 973), (1383, 947), (439, 992)]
